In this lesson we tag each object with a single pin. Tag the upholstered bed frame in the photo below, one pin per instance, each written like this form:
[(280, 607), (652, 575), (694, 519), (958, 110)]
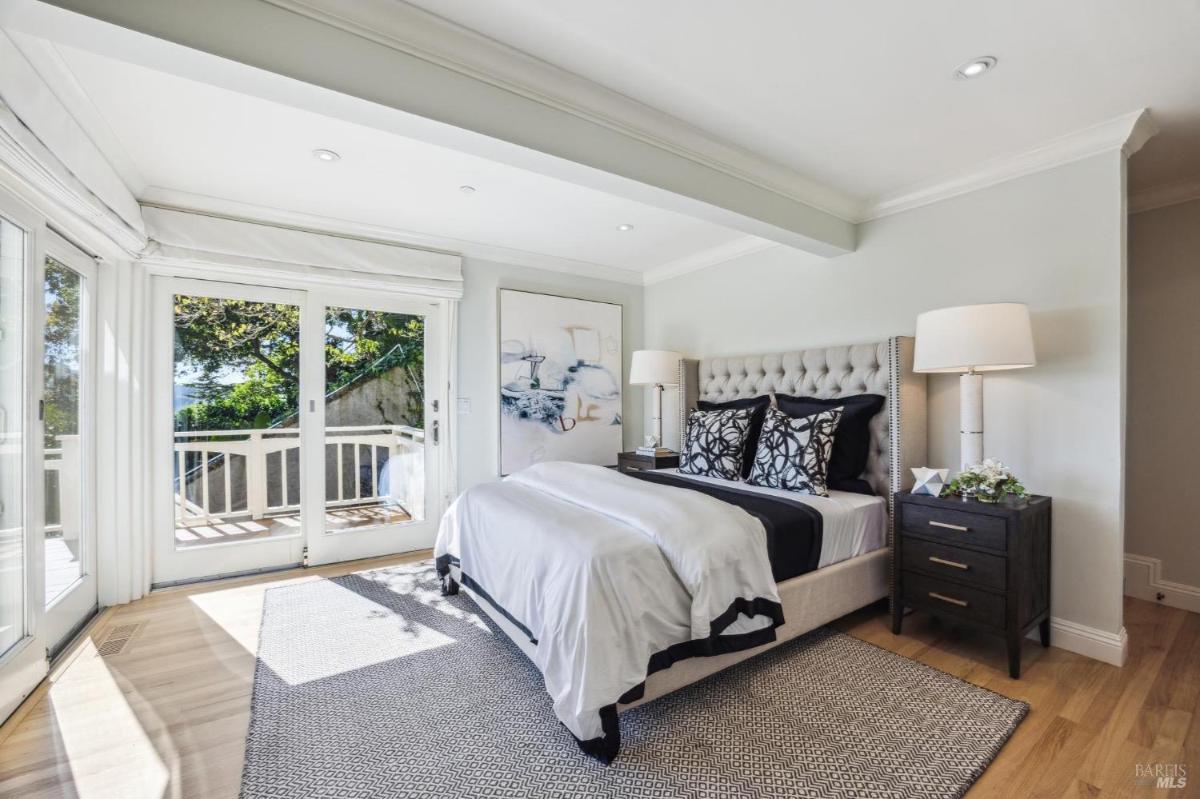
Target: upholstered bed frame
[(898, 433), (897, 443)]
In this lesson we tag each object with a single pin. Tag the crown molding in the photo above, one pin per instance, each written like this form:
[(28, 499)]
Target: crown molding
[(706, 258), (1164, 194), (1125, 133), (435, 39), (215, 206)]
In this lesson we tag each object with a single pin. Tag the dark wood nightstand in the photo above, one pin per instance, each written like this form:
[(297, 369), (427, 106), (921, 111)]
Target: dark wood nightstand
[(982, 564), (633, 462)]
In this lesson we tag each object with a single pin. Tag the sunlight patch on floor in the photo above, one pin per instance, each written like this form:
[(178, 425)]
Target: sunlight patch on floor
[(408, 580), (90, 714), (315, 643), (238, 610)]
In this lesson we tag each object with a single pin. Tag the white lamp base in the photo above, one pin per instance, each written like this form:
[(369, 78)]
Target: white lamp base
[(970, 387)]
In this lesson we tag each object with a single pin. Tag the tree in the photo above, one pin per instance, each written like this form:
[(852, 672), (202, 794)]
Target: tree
[(243, 358), (61, 352)]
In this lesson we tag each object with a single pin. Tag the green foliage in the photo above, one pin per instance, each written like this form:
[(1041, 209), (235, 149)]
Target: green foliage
[(990, 481), (61, 355), (258, 343)]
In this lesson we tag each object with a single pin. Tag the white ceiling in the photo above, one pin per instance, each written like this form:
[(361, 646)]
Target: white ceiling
[(861, 96), (183, 142)]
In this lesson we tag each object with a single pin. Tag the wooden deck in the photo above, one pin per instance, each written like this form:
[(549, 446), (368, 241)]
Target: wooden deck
[(62, 566), (224, 531)]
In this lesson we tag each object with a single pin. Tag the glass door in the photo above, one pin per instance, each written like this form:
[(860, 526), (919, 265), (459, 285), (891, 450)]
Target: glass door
[(68, 375), (378, 373), (22, 642), (228, 429)]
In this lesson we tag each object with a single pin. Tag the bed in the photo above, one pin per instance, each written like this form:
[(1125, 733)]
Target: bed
[(622, 589)]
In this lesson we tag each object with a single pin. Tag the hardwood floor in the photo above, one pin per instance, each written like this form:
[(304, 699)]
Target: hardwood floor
[(167, 716)]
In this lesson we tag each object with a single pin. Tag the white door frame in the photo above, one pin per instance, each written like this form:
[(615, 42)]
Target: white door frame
[(313, 546), (172, 564), (365, 542), (24, 664), (71, 608)]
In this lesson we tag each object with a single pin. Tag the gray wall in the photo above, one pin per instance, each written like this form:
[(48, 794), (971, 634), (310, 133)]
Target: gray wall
[(1164, 383), (478, 373), (1054, 240)]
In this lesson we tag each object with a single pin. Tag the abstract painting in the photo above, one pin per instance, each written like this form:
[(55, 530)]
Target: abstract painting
[(560, 380)]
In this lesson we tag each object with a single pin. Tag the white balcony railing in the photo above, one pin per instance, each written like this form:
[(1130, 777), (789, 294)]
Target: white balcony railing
[(393, 457), (64, 459)]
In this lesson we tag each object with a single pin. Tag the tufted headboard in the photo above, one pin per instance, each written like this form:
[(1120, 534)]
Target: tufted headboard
[(898, 433)]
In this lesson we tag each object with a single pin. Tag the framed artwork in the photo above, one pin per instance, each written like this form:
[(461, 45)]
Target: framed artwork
[(560, 380)]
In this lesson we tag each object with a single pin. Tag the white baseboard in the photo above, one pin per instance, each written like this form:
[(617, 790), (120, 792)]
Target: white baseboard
[(1088, 641), (1144, 580)]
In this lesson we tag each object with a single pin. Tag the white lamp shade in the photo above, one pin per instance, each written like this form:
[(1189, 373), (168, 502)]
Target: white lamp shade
[(982, 338), (654, 367)]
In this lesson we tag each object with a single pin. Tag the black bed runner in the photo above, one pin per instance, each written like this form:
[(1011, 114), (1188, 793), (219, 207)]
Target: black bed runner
[(794, 530)]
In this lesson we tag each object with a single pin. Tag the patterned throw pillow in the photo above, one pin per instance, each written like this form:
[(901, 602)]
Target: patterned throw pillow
[(715, 442), (793, 454)]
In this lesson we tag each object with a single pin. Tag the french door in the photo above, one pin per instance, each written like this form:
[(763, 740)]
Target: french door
[(47, 380), (291, 425), (68, 359)]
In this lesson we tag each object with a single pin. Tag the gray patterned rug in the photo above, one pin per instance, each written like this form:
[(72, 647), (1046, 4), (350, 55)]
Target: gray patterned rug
[(375, 685)]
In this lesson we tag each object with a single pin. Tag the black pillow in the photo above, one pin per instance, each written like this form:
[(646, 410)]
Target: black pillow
[(759, 406), (852, 439)]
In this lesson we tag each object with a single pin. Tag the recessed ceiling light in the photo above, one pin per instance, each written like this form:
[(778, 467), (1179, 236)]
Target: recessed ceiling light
[(325, 155), (467, 189), (625, 227), (975, 67)]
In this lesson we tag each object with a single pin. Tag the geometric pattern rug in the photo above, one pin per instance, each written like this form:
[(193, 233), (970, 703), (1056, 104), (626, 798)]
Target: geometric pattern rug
[(375, 685)]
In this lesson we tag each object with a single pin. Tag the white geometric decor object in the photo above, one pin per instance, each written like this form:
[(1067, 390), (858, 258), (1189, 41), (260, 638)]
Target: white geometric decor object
[(929, 481)]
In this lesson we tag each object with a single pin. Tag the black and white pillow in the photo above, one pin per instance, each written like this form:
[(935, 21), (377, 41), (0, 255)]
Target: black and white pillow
[(715, 442), (793, 454)]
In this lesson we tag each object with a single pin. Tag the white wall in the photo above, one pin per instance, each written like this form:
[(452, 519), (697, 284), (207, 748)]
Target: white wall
[(1164, 379), (1053, 240), (478, 373)]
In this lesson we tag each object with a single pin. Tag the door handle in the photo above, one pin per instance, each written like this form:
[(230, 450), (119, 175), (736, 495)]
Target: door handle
[(436, 432)]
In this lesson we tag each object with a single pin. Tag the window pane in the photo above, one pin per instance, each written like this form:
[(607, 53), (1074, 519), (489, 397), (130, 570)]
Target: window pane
[(374, 418), (63, 473), (237, 425), (12, 448)]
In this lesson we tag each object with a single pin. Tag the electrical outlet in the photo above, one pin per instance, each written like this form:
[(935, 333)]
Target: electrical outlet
[(464, 405)]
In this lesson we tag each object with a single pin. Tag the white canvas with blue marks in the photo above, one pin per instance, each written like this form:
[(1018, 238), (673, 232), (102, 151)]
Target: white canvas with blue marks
[(560, 380)]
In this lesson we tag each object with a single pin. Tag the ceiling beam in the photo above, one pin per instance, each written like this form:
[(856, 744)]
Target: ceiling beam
[(502, 124)]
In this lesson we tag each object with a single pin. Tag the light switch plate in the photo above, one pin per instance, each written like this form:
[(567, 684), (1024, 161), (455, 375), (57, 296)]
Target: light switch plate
[(464, 405)]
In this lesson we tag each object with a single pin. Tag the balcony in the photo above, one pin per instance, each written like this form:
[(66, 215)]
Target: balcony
[(239, 485)]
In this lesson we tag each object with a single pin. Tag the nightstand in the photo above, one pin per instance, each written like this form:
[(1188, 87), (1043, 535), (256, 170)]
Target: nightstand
[(981, 564), (633, 462)]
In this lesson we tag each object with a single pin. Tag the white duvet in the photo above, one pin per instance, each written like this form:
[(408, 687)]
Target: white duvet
[(603, 571)]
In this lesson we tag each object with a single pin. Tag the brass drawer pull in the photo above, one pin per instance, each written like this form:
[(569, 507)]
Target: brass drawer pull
[(961, 603), (954, 563), (957, 527)]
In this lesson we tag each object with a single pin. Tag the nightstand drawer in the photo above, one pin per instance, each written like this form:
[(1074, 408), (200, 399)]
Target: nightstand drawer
[(955, 526), (952, 599), (955, 563)]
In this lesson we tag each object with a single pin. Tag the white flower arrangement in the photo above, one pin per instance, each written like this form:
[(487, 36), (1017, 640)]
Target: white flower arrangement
[(990, 481)]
